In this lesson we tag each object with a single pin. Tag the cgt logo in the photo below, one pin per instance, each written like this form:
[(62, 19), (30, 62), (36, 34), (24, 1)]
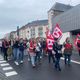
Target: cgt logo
[(57, 33)]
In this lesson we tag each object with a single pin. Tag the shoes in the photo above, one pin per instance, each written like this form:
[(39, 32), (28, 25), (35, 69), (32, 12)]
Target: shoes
[(33, 66), (40, 57), (16, 63), (28, 59), (21, 62), (59, 69)]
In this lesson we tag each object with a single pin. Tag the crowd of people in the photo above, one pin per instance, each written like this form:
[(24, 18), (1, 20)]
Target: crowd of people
[(36, 49)]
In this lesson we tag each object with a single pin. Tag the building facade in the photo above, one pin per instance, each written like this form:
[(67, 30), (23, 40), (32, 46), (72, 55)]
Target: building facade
[(32, 30), (36, 29), (57, 9), (69, 22)]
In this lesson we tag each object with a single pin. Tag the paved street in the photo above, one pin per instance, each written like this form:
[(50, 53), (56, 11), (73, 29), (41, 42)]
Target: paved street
[(45, 71)]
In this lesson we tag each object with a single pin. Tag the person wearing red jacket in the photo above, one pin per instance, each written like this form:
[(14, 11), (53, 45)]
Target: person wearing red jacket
[(5, 48), (68, 47), (32, 53)]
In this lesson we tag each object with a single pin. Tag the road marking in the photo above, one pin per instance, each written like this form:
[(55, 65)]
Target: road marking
[(1, 58), (2, 61), (5, 64), (12, 73), (7, 68), (72, 61)]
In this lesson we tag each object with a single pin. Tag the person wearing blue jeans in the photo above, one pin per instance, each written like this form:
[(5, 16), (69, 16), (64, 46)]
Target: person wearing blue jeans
[(38, 53), (21, 56), (37, 57), (33, 60), (57, 47), (57, 64), (16, 52), (16, 55), (21, 50)]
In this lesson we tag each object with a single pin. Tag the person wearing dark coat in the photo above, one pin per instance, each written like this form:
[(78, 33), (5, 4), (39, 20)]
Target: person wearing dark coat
[(57, 47), (5, 48)]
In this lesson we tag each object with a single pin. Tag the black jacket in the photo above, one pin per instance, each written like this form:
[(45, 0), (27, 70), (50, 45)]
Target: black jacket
[(57, 48), (16, 44)]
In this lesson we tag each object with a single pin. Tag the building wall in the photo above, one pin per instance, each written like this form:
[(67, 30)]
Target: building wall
[(15, 35), (52, 14), (34, 32), (20, 34), (44, 31), (69, 20)]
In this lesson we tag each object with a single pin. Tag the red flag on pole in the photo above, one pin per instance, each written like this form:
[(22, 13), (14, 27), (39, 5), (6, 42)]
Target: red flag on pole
[(57, 33), (49, 40), (77, 41)]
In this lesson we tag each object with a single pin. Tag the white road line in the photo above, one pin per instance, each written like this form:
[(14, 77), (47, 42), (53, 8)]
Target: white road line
[(2, 61), (1, 57), (12, 73), (7, 68), (5, 64), (72, 61)]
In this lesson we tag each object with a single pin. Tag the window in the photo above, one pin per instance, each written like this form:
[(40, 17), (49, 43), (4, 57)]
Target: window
[(32, 32), (40, 31)]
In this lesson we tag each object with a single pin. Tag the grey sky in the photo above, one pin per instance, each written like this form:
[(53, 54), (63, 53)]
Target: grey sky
[(19, 12)]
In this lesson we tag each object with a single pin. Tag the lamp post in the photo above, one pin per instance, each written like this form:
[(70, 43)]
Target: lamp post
[(18, 31)]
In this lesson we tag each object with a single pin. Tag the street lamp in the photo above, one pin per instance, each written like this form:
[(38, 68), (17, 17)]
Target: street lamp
[(18, 31)]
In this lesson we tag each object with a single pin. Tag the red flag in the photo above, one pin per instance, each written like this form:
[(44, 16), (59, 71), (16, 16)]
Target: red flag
[(57, 33), (50, 40), (77, 40)]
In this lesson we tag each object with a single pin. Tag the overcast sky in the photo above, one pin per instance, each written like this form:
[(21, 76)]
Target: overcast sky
[(15, 13)]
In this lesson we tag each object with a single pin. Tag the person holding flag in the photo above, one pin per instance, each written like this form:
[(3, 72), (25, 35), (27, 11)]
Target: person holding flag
[(32, 53), (50, 42), (57, 47)]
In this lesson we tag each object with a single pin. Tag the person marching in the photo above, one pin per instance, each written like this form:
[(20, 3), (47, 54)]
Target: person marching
[(38, 52), (28, 45), (44, 47), (16, 51), (50, 53), (57, 47), (21, 50), (32, 53), (67, 51), (5, 48)]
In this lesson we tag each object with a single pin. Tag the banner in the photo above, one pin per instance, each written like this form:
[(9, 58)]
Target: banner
[(57, 33), (77, 41), (49, 40)]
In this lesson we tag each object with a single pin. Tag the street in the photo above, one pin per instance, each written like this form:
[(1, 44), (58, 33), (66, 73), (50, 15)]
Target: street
[(45, 71)]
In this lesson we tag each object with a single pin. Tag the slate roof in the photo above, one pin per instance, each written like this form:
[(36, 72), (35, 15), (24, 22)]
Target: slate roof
[(37, 23), (60, 7)]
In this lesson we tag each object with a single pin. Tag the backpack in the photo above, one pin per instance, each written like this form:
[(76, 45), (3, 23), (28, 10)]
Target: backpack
[(68, 46)]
